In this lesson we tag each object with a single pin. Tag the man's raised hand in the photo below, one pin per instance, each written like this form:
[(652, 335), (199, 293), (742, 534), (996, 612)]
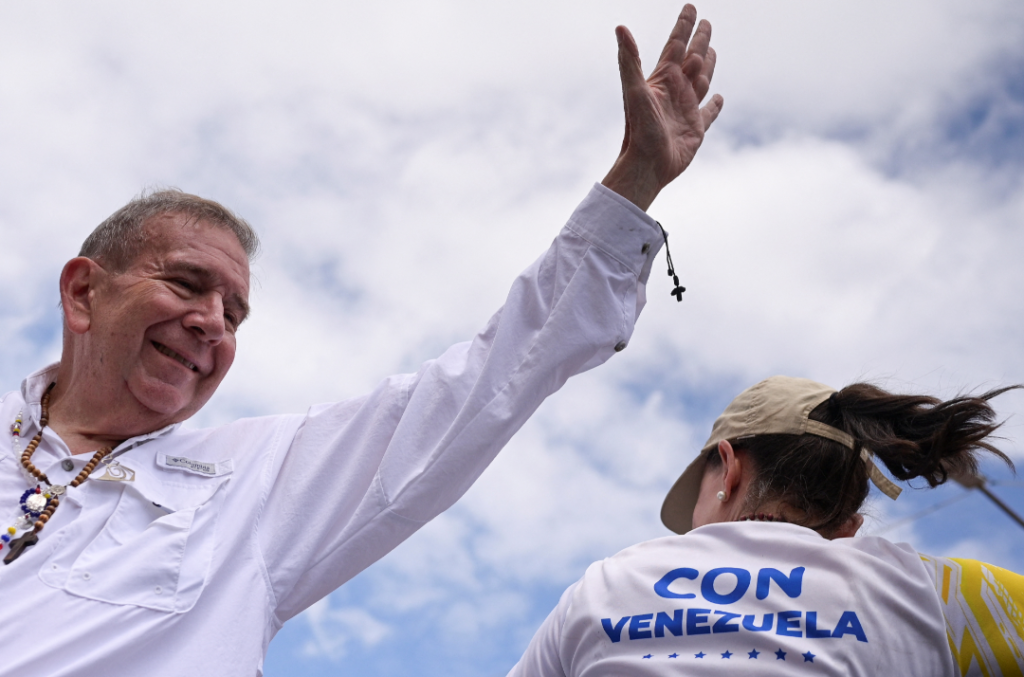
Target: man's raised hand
[(665, 123)]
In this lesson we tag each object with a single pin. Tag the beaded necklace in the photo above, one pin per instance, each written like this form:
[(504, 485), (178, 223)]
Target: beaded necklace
[(38, 504)]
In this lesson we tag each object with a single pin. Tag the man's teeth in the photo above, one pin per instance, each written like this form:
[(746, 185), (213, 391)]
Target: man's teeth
[(170, 353)]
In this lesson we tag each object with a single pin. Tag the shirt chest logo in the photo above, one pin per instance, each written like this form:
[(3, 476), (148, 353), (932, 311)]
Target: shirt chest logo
[(205, 468)]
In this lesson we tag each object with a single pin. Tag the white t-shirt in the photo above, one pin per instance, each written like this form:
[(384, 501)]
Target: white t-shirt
[(757, 598), (226, 533)]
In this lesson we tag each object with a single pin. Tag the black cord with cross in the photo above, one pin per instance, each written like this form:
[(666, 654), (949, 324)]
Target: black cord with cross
[(678, 289)]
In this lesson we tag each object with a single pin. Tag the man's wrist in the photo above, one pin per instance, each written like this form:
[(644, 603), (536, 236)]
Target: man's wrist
[(628, 180)]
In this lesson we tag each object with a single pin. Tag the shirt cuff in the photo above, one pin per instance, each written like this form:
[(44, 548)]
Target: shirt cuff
[(617, 226)]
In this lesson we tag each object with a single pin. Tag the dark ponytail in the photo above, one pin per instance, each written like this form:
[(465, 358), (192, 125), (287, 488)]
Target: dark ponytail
[(825, 483), (919, 436)]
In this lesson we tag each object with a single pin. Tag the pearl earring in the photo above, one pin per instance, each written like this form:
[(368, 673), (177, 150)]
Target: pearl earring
[(721, 495)]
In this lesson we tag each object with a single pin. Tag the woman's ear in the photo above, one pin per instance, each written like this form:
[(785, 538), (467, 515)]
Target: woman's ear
[(77, 284), (850, 527), (732, 468)]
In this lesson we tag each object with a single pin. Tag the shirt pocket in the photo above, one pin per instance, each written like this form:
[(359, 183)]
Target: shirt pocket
[(154, 551)]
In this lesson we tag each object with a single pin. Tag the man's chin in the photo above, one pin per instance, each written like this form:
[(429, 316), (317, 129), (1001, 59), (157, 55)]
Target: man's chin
[(167, 403)]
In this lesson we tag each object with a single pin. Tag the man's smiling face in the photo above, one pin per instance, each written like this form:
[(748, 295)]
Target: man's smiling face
[(165, 327)]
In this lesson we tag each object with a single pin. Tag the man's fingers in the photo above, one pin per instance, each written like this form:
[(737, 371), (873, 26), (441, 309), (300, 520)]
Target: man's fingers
[(692, 67), (675, 48), (702, 83), (709, 113), (709, 64), (630, 70), (701, 39)]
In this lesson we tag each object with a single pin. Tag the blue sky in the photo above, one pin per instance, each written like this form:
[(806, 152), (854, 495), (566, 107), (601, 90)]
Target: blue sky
[(856, 213)]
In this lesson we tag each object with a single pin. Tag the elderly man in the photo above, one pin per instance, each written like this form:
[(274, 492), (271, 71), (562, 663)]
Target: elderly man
[(138, 548)]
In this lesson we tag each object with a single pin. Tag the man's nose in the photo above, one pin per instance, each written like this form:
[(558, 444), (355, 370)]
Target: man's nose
[(207, 318)]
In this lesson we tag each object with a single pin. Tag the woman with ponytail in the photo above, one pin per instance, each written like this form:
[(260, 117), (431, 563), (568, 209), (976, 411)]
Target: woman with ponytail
[(765, 577)]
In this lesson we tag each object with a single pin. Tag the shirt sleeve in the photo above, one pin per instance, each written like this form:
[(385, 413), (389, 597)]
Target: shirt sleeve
[(361, 476), (983, 606), (542, 657)]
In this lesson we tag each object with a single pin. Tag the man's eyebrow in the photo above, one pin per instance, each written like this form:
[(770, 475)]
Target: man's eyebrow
[(208, 278), (191, 268), (243, 308)]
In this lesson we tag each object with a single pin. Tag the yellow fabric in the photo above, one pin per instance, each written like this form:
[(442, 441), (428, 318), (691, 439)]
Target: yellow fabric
[(984, 610)]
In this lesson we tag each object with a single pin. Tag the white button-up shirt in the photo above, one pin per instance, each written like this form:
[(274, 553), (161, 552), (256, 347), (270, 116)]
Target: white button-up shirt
[(226, 533)]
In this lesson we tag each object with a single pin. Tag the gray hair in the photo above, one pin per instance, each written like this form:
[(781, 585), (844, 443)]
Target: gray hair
[(122, 236)]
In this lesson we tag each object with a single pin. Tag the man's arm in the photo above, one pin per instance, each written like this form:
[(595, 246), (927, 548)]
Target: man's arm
[(382, 466), (665, 123)]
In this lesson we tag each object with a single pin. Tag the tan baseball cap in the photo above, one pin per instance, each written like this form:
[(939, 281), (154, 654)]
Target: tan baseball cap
[(779, 405)]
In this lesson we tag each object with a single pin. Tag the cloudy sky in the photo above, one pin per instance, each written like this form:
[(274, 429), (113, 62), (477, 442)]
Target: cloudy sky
[(856, 213)]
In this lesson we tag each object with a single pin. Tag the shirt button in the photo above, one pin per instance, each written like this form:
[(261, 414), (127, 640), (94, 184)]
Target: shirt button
[(620, 346), (87, 576), (67, 464), (158, 589), (646, 248)]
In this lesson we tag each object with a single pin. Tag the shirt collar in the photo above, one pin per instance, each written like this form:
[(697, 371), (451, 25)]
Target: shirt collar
[(32, 389)]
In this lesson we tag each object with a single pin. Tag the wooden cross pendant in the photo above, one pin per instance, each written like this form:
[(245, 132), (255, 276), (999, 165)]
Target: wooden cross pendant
[(18, 546)]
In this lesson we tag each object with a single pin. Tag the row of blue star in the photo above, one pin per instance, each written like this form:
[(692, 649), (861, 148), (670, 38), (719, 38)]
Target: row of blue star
[(780, 655)]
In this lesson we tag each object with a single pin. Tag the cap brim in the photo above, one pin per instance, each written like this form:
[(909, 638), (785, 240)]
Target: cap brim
[(677, 510)]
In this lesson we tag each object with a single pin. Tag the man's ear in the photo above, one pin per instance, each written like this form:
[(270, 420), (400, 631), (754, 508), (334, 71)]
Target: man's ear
[(78, 281)]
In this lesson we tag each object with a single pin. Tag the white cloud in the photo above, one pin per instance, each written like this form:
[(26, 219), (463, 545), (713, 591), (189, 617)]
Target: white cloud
[(333, 629), (405, 160)]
